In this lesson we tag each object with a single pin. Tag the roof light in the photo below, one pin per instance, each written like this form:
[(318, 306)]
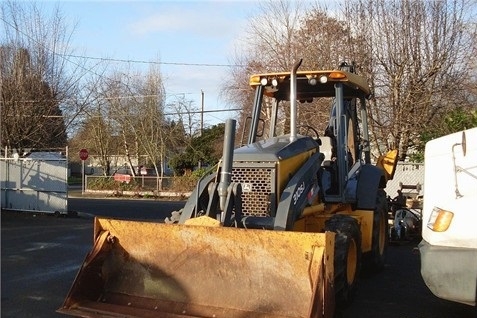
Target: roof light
[(264, 81), (254, 80), (440, 220), (337, 75), (323, 79)]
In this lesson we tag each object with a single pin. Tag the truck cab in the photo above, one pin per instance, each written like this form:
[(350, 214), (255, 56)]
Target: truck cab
[(449, 245)]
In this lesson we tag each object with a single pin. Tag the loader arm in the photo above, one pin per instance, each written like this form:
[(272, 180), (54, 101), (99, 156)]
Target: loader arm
[(301, 191)]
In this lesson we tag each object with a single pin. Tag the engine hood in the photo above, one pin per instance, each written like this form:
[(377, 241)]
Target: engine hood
[(275, 149)]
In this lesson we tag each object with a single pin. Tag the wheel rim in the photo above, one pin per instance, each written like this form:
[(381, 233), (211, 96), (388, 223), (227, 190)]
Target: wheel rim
[(351, 262)]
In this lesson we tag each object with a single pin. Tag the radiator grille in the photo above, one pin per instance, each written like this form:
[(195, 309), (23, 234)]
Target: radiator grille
[(257, 189)]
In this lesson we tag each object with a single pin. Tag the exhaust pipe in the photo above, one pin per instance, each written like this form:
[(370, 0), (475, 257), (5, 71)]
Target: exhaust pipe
[(227, 158), (293, 111)]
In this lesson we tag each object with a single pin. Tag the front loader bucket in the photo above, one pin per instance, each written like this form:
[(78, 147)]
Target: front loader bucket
[(142, 269)]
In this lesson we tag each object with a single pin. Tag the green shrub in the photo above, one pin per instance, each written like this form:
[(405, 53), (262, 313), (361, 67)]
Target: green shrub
[(101, 184), (184, 183), (110, 184), (74, 180), (199, 173)]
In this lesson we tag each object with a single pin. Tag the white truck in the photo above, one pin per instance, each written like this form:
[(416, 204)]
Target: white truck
[(449, 231)]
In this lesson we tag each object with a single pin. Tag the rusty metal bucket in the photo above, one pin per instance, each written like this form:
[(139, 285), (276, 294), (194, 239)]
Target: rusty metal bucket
[(142, 269)]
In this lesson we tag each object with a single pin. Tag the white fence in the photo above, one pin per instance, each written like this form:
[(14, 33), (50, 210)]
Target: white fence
[(39, 185), (407, 173)]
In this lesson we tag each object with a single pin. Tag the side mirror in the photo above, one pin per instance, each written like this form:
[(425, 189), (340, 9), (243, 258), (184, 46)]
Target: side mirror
[(464, 143)]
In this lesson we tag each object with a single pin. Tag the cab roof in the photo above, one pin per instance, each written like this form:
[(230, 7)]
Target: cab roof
[(277, 85)]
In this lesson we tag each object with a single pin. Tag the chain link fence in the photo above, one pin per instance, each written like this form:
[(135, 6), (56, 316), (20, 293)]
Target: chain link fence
[(407, 174), (124, 183), (410, 174)]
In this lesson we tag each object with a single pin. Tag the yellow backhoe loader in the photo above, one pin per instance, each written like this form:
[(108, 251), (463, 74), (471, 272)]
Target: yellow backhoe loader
[(279, 229)]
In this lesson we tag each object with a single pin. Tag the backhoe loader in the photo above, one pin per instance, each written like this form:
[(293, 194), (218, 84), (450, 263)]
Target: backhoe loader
[(280, 228)]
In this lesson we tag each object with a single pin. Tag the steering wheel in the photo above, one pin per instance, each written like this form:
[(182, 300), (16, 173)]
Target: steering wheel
[(314, 133)]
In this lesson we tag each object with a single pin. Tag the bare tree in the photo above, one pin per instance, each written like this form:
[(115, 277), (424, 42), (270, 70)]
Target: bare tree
[(31, 117), (135, 106), (281, 33), (270, 45), (38, 81), (273, 34), (98, 131), (187, 114), (95, 134), (324, 42), (417, 56), (118, 95), (155, 134), (417, 61), (238, 91)]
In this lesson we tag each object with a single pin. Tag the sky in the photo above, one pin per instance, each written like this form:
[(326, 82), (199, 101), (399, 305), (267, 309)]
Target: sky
[(176, 33)]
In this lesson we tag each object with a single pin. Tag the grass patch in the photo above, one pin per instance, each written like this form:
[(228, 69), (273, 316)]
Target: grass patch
[(74, 180)]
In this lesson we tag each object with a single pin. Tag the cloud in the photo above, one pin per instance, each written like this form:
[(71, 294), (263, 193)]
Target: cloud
[(208, 19), (158, 22)]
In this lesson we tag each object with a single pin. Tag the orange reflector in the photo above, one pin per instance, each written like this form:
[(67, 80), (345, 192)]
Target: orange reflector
[(254, 80), (440, 220), (337, 75)]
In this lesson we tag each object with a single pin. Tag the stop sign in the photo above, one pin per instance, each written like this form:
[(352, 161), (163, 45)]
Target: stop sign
[(83, 154)]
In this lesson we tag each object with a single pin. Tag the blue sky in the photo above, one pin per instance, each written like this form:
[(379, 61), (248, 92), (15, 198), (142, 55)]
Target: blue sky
[(189, 32)]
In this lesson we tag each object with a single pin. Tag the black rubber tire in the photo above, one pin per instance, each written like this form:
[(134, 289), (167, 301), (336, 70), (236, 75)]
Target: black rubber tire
[(374, 261), (347, 240)]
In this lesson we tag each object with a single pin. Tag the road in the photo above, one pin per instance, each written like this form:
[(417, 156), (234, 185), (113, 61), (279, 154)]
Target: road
[(125, 208), (41, 255)]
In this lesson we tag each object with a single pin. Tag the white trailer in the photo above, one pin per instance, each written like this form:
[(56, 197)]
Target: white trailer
[(449, 233)]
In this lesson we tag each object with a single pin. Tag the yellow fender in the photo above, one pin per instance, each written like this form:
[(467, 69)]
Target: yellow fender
[(388, 163)]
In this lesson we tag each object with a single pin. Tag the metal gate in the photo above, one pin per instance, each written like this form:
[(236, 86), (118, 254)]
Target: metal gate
[(36, 184)]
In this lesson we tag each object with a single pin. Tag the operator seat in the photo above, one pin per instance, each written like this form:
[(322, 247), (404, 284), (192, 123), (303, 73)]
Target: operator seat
[(326, 147), (327, 175)]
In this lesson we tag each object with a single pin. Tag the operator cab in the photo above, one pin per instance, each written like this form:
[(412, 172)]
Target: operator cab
[(342, 144)]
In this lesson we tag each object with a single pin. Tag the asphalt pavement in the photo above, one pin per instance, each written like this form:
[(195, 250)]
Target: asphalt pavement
[(41, 255)]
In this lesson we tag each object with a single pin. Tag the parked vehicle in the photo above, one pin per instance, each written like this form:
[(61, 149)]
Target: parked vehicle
[(140, 171), (406, 225), (125, 171), (449, 237)]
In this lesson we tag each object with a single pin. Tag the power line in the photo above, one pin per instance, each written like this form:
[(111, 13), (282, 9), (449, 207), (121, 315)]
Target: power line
[(204, 111), (92, 100), (150, 62), (89, 70), (165, 114)]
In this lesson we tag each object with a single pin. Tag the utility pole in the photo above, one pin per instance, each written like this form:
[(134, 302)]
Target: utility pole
[(201, 119), (202, 112)]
